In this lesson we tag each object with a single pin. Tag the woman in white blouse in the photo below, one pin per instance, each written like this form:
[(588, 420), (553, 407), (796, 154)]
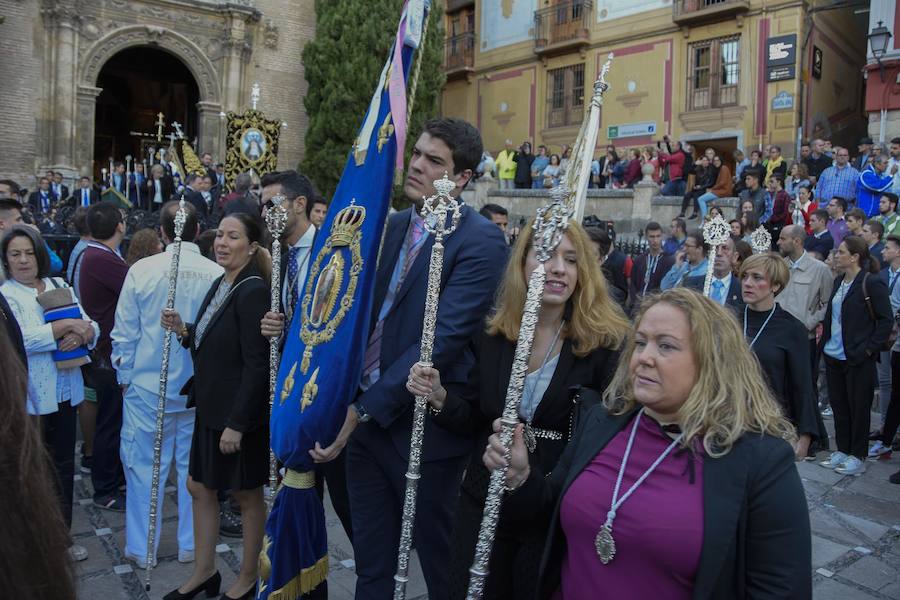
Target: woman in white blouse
[(53, 393)]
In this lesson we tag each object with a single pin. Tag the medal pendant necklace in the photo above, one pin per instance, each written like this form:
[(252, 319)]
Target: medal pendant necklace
[(604, 542)]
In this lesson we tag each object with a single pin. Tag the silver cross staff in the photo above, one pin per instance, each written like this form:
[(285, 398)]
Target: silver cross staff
[(715, 233), (549, 227), (180, 218), (441, 214), (276, 220), (761, 240)]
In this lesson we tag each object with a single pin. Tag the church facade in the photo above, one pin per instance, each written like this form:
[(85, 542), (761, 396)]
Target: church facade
[(84, 79)]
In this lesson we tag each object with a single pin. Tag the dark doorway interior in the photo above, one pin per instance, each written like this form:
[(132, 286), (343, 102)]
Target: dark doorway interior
[(137, 84)]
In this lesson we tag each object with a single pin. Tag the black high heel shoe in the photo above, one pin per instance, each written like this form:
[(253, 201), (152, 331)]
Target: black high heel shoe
[(210, 586), (248, 595)]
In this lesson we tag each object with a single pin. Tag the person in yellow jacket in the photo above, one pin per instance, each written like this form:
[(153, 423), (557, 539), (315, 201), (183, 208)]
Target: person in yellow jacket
[(506, 166)]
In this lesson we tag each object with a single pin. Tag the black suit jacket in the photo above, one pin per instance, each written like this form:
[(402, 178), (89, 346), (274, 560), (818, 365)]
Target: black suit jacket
[(822, 245), (734, 299), (13, 330), (34, 201), (756, 534), (230, 386), (862, 336), (75, 198), (196, 198)]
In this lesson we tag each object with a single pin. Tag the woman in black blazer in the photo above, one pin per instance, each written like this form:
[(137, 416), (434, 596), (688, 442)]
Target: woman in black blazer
[(230, 445), (695, 451), (575, 352), (856, 326)]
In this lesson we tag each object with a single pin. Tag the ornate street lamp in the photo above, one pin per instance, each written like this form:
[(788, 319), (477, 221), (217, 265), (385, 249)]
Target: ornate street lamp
[(878, 42)]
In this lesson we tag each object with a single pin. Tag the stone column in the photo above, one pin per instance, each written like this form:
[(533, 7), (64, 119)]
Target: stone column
[(84, 129), (211, 129), (642, 204), (62, 151), (237, 51)]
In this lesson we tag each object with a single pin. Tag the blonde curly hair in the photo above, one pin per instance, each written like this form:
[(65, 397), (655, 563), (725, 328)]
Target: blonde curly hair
[(730, 396)]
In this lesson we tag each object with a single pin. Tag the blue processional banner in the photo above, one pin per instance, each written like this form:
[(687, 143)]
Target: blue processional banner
[(322, 360)]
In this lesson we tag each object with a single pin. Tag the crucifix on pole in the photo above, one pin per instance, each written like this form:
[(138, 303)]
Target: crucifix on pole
[(160, 123)]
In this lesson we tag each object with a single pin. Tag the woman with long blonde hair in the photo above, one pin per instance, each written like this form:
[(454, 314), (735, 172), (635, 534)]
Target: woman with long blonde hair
[(577, 337), (682, 485)]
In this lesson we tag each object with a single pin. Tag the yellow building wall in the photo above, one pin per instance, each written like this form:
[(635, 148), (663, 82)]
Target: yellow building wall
[(506, 94)]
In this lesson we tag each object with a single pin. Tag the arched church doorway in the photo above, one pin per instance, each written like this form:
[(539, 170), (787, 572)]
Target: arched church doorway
[(138, 84)]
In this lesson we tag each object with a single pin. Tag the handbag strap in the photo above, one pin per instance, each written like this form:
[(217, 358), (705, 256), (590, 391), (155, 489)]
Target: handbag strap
[(867, 298)]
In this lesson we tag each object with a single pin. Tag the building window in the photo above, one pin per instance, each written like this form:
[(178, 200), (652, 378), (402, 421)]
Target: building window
[(565, 96), (714, 73)]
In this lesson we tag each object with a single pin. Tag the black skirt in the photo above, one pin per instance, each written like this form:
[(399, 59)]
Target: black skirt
[(244, 470)]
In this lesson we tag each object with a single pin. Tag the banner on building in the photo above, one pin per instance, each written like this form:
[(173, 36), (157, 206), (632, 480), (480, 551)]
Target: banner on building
[(252, 145)]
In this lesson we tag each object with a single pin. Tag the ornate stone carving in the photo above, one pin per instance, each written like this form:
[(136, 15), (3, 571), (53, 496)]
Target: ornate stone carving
[(141, 35), (270, 35)]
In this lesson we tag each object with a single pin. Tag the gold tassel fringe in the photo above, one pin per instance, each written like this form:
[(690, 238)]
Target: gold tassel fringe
[(306, 581)]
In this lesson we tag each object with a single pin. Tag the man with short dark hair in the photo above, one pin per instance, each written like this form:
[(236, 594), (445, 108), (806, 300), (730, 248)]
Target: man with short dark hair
[(818, 160), (193, 194), (85, 195), (855, 218), (650, 267), (136, 340), (100, 278), (837, 224), (318, 212), (60, 190), (754, 193), (887, 212), (137, 182), (381, 416), (119, 180), (872, 233), (820, 243), (677, 235), (497, 215), (42, 199)]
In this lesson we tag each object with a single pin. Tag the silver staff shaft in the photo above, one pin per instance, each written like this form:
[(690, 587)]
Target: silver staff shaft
[(180, 217), (510, 418), (276, 220), (435, 210)]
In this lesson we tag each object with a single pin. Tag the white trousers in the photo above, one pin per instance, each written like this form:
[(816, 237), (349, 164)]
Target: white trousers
[(136, 450)]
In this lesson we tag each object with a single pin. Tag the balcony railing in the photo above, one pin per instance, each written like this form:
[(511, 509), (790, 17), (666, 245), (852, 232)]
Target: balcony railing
[(459, 54), (686, 12), (562, 27)]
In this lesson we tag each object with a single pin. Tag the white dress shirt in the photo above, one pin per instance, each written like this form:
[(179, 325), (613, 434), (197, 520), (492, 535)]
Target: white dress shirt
[(137, 337), (305, 248), (47, 385), (157, 192)]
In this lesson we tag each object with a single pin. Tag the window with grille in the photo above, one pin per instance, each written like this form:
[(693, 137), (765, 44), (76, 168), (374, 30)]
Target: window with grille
[(565, 96), (714, 73)]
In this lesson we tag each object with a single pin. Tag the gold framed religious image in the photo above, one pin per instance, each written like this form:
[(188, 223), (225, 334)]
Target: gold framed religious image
[(253, 145)]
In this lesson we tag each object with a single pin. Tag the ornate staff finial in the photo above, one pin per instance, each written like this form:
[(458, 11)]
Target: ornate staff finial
[(178, 131), (715, 233), (601, 85), (435, 209), (254, 95), (551, 222), (760, 240)]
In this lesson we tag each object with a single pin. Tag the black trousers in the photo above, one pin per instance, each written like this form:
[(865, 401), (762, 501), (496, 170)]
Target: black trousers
[(376, 476), (58, 430), (851, 388), (892, 418), (334, 474), (822, 442), (690, 199), (106, 472)]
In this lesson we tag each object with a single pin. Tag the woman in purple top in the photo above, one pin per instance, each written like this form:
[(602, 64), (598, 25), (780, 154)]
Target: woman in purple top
[(682, 485)]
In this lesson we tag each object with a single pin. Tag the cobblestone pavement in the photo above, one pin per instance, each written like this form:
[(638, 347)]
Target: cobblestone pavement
[(855, 543)]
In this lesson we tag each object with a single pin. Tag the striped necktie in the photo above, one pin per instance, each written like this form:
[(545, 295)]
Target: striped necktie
[(373, 350)]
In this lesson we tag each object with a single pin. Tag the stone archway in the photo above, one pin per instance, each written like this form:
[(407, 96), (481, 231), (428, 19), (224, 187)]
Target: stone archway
[(203, 70)]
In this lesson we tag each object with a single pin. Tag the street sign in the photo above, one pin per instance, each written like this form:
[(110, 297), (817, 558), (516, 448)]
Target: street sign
[(625, 130), (783, 101), (781, 57)]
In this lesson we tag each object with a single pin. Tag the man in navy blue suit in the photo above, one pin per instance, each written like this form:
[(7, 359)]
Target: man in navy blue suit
[(725, 288), (381, 417)]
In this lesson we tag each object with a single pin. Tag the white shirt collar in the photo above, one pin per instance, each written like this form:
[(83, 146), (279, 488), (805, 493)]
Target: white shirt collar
[(796, 263), (306, 239)]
